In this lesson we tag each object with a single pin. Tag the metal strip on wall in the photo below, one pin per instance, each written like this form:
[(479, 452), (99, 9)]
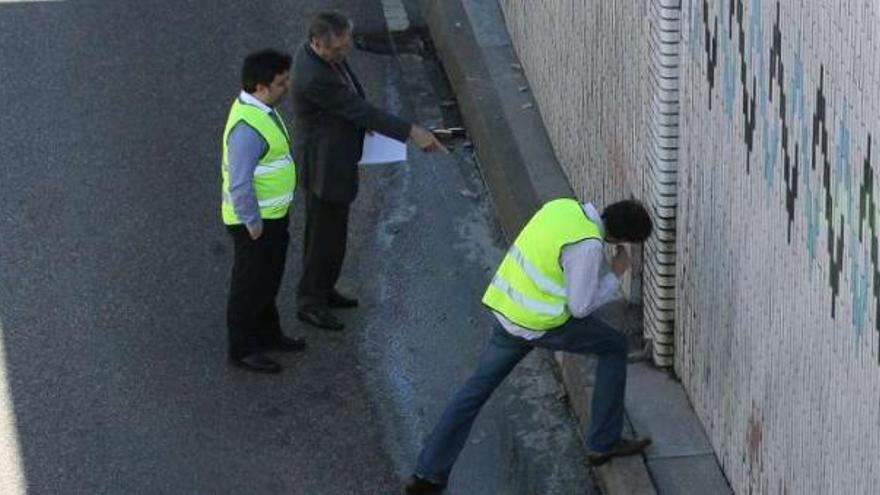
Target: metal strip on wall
[(662, 184)]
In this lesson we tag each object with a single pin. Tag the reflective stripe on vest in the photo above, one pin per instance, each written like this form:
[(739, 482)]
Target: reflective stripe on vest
[(268, 168), (536, 306), (537, 277), (529, 286), (266, 203), (274, 178)]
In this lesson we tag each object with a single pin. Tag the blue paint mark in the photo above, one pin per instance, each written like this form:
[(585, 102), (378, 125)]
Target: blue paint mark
[(756, 48), (842, 171), (805, 139), (806, 173), (802, 113), (859, 289), (812, 222), (696, 29), (813, 203), (842, 146), (796, 90), (723, 8), (730, 81), (756, 40), (771, 151), (724, 41)]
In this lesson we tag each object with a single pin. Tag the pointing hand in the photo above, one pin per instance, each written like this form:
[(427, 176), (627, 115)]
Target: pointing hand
[(425, 140)]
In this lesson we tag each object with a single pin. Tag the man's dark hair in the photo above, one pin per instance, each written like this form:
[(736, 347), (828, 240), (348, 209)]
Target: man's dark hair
[(627, 221), (326, 24), (262, 67)]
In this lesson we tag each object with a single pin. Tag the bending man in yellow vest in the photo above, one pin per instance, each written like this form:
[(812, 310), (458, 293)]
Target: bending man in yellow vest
[(551, 280), (259, 177)]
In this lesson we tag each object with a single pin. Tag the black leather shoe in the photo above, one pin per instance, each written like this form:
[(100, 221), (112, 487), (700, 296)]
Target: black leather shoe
[(257, 363), (421, 486), (337, 300), (288, 344), (320, 318)]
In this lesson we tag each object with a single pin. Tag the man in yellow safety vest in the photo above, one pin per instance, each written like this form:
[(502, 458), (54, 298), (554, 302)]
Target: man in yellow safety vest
[(259, 177), (553, 277)]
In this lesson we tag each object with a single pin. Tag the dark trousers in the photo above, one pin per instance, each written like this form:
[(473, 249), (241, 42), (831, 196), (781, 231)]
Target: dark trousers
[(252, 316), (326, 234), (588, 335)]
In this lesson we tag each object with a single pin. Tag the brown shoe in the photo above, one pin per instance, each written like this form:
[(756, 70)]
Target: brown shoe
[(623, 447)]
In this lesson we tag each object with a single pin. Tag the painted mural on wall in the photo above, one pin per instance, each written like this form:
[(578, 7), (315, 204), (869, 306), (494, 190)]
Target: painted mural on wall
[(778, 275)]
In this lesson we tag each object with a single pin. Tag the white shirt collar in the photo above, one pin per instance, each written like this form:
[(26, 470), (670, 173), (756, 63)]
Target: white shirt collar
[(252, 100), (593, 214)]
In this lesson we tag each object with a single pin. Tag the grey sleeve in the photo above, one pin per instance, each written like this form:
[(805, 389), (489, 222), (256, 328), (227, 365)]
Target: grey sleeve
[(245, 146), (589, 282)]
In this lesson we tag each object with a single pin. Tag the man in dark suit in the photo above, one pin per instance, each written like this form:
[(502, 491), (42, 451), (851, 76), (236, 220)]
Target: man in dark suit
[(331, 117)]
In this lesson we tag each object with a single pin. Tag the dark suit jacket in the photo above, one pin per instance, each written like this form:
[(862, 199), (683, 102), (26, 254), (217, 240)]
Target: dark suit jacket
[(329, 121)]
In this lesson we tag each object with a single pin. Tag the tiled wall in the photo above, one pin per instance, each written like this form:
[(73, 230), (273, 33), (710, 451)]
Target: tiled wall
[(777, 278), (778, 273), (587, 65), (596, 71)]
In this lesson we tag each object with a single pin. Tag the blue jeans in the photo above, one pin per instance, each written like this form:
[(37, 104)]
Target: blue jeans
[(503, 351)]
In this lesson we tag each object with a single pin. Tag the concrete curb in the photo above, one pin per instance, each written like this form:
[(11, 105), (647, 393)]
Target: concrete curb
[(517, 161)]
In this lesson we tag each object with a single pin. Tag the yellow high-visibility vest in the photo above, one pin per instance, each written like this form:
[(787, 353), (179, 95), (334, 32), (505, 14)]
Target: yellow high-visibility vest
[(529, 287), (275, 175)]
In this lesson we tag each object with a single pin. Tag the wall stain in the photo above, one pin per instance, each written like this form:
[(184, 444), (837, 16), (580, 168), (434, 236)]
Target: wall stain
[(754, 438)]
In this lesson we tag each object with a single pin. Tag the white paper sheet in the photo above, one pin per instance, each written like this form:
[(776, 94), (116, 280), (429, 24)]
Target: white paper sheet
[(379, 149)]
